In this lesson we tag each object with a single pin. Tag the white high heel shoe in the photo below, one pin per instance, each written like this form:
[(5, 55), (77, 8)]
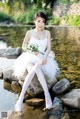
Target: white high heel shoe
[(18, 107)]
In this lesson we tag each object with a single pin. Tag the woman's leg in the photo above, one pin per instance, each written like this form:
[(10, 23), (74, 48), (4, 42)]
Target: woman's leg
[(29, 77), (44, 86)]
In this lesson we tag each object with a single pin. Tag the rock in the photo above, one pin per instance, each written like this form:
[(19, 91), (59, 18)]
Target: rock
[(1, 74), (72, 98), (7, 86), (55, 113), (15, 86), (75, 83), (10, 52), (65, 115), (79, 64), (35, 102), (61, 86), (7, 74), (34, 87)]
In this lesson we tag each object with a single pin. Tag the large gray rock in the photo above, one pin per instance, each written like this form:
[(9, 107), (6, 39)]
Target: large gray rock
[(10, 52), (72, 98), (61, 86), (34, 87)]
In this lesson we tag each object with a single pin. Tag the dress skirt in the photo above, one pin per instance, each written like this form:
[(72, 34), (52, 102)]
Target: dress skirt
[(50, 69)]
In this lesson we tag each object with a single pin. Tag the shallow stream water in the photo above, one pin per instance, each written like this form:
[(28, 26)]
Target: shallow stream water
[(65, 44)]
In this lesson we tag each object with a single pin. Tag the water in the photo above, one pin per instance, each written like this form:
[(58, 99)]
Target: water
[(65, 44), (7, 98), (2, 45)]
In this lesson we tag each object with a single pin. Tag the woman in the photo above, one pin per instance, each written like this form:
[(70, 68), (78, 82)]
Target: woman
[(36, 60)]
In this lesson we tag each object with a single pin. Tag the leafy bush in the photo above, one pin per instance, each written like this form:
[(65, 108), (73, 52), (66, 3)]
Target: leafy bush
[(4, 17), (73, 20), (67, 1), (28, 16), (54, 21)]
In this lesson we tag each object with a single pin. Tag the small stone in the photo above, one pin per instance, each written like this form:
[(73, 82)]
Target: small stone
[(15, 86), (61, 86), (65, 115), (35, 102)]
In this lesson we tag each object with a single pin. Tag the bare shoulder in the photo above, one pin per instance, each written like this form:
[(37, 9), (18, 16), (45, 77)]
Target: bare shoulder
[(48, 33), (29, 32)]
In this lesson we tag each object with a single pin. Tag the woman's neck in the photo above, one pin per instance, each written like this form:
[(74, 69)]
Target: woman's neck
[(38, 30)]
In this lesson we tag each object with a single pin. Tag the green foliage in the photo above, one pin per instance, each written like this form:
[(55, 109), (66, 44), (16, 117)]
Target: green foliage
[(4, 7), (73, 20), (54, 21), (4, 17), (28, 16), (67, 1)]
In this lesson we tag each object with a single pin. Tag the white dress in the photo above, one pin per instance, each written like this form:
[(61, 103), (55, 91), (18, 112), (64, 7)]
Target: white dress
[(50, 69)]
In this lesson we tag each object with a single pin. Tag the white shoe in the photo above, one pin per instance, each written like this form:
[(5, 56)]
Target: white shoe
[(18, 107), (49, 108)]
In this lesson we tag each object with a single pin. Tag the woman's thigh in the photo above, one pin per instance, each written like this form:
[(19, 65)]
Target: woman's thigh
[(30, 66)]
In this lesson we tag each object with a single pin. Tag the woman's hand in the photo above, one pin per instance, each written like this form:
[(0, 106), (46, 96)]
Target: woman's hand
[(35, 53), (43, 61)]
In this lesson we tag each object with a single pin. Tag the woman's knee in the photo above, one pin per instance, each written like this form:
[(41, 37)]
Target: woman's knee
[(37, 66), (30, 66)]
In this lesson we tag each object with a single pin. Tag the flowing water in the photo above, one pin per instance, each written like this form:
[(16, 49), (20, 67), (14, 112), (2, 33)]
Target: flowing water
[(7, 98), (66, 45)]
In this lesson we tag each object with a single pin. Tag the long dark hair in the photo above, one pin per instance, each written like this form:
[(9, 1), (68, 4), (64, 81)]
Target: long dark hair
[(40, 14)]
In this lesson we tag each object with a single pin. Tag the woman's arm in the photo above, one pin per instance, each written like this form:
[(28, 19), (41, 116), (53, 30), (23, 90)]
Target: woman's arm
[(26, 40), (44, 60), (48, 44)]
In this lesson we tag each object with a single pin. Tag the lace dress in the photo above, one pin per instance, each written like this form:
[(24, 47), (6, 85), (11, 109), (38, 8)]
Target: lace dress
[(50, 69)]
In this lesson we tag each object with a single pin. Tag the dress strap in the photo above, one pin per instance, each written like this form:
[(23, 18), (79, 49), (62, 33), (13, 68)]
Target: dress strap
[(46, 34)]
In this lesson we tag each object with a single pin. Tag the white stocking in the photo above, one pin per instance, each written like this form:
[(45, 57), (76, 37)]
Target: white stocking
[(29, 77), (36, 69), (44, 86)]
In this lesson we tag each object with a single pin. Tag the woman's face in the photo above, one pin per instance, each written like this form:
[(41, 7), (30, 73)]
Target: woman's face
[(40, 23)]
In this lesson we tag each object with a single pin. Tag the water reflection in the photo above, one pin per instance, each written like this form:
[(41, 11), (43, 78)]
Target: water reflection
[(7, 99), (3, 45)]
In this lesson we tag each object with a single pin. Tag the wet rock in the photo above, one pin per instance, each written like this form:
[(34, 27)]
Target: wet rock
[(55, 113), (15, 86), (1, 74), (72, 98), (65, 114), (10, 52), (34, 87), (27, 113), (7, 86), (79, 64), (35, 101), (61, 86), (75, 83), (7, 74)]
